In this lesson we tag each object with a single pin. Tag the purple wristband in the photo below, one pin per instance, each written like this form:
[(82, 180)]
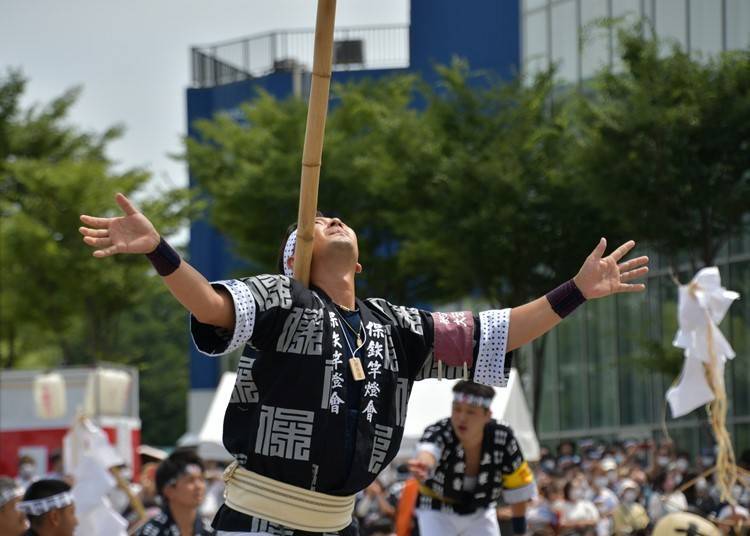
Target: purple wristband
[(565, 298), (164, 258)]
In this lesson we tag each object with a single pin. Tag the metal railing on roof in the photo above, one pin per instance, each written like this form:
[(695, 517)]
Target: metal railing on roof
[(371, 47)]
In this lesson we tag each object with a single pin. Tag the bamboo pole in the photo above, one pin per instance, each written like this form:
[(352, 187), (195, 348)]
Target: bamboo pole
[(314, 133)]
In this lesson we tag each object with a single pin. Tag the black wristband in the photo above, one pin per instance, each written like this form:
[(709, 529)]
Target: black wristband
[(164, 258), (519, 524), (565, 298)]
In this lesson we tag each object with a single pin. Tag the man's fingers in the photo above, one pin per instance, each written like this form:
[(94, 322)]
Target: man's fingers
[(634, 274), (599, 249), (633, 263), (104, 242), (125, 204), (620, 252), (107, 252), (637, 287), (101, 223), (96, 233)]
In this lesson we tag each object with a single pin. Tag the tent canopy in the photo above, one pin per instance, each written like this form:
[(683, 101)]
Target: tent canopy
[(430, 401)]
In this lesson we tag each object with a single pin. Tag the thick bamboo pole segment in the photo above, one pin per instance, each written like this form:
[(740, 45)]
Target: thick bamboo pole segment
[(313, 150)]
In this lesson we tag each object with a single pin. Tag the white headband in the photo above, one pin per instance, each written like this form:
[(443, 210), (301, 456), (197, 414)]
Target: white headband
[(473, 400), (291, 243), (190, 469), (9, 494), (39, 507)]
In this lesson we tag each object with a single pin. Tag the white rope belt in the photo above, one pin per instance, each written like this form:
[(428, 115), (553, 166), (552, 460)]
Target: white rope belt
[(297, 508)]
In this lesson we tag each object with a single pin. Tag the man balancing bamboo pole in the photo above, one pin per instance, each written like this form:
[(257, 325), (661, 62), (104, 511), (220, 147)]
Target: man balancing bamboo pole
[(320, 402)]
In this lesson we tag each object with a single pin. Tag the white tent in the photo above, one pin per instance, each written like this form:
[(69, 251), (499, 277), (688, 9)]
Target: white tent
[(430, 401), (210, 445)]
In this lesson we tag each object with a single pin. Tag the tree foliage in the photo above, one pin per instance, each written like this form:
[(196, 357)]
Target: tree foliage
[(60, 306), (665, 141)]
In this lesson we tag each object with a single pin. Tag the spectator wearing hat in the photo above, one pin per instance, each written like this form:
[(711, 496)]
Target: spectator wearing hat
[(605, 499), (630, 516), (12, 521), (48, 505)]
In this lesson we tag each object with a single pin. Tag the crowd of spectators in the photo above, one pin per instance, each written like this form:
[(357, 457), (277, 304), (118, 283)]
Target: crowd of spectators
[(588, 489), (596, 489)]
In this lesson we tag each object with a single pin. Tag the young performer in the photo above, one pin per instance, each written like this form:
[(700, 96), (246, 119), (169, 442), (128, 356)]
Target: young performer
[(324, 379), (48, 504), (12, 521), (466, 463), (182, 488)]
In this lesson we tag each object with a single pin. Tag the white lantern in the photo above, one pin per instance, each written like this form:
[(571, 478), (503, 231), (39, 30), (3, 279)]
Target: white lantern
[(107, 392), (49, 396)]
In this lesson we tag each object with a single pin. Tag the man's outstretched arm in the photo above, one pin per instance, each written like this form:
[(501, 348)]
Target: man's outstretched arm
[(598, 277), (134, 233)]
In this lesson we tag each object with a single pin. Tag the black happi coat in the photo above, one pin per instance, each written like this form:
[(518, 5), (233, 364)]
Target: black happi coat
[(288, 413), (502, 470)]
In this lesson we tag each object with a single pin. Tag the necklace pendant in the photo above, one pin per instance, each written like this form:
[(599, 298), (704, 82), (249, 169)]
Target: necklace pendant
[(358, 373), (359, 340)]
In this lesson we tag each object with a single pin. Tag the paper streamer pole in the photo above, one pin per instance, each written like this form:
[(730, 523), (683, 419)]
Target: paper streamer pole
[(314, 133), (702, 305)]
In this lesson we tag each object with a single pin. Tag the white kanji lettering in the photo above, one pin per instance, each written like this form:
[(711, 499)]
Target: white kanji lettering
[(336, 361), (375, 349), (335, 402), (374, 368), (443, 318), (372, 389), (459, 319), (337, 380), (369, 410), (333, 320), (375, 330), (337, 340)]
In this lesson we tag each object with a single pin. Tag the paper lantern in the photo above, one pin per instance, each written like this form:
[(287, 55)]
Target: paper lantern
[(49, 396), (107, 392)]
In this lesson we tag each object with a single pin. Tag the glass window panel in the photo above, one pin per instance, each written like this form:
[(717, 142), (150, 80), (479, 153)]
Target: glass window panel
[(705, 27), (735, 327), (565, 40), (548, 412), (528, 5), (629, 9), (671, 21), (595, 37), (635, 389), (741, 437), (602, 357), (535, 43), (571, 364), (738, 24)]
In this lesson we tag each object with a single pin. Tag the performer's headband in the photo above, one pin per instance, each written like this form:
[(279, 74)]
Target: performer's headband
[(291, 243), (39, 507), (473, 400), (191, 469), (9, 494)]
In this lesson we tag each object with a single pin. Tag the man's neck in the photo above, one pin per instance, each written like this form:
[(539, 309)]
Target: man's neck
[(184, 517), (339, 286)]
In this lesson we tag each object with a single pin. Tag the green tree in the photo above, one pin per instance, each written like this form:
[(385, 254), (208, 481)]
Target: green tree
[(59, 305), (666, 140)]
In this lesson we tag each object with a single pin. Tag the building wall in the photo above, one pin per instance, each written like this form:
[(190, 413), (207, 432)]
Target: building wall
[(552, 29), (594, 382)]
